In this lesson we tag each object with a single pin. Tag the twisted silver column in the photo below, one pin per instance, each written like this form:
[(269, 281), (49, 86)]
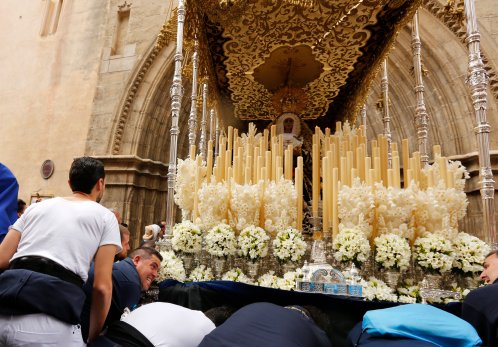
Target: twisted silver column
[(176, 103), (363, 115), (477, 81), (421, 116), (192, 120), (203, 139), (386, 119)]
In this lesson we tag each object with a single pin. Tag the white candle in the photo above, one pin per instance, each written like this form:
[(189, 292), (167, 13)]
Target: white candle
[(299, 191)]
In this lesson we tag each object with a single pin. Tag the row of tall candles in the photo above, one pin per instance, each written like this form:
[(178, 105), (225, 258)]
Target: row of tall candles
[(340, 158), (257, 157), (337, 159)]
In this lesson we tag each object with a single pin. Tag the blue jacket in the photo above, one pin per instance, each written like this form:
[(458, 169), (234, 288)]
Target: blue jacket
[(8, 200), (126, 291), (264, 324), (363, 339), (26, 292), (480, 309)]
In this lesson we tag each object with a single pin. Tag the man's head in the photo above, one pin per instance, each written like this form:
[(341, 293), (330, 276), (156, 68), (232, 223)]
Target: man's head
[(490, 272), (313, 313), (87, 176), (152, 232), (147, 261), (162, 225), (21, 207), (218, 315), (125, 243), (116, 213)]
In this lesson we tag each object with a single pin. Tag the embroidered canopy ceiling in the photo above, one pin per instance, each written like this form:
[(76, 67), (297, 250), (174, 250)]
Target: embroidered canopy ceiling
[(315, 58)]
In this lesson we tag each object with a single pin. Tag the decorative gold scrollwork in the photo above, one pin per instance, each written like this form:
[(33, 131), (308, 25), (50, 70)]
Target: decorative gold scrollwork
[(265, 26)]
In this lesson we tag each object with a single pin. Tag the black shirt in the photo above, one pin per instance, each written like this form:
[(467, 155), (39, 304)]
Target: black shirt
[(480, 309), (264, 324)]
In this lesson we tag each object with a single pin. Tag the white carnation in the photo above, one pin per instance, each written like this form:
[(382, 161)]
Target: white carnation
[(289, 245), (470, 252), (187, 237), (220, 241), (201, 273), (171, 267), (351, 245), (253, 243), (392, 252)]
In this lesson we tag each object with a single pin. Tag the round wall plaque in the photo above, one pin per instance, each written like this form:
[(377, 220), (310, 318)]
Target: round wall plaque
[(47, 169)]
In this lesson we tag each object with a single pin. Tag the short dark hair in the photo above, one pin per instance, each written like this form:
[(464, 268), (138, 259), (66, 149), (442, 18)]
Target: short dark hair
[(123, 230), (20, 205), (146, 253), (318, 316), (218, 315), (495, 252), (84, 174), (148, 243)]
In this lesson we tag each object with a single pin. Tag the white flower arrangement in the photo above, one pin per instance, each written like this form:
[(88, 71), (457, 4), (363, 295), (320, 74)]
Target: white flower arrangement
[(460, 174), (253, 243), (221, 241), (185, 184), (392, 252), (351, 245), (289, 245), (236, 275), (470, 252), (429, 212), (375, 289), (455, 202), (438, 209), (280, 207), (249, 140), (360, 224), (434, 253), (408, 293), (171, 267), (213, 204), (288, 282), (269, 280), (245, 205), (201, 273), (187, 237), (394, 209), (406, 299), (356, 201)]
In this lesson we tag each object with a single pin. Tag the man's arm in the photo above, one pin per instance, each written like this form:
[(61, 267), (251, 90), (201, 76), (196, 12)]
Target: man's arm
[(8, 247), (102, 289)]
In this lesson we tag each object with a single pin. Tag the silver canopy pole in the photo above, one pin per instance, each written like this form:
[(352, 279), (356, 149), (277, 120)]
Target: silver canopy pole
[(192, 120), (477, 80), (176, 103), (386, 119), (203, 139), (421, 116)]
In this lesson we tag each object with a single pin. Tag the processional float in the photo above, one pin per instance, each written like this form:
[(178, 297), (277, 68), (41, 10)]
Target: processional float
[(331, 166)]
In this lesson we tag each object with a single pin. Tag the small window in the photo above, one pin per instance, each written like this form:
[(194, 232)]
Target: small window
[(52, 17), (119, 39)]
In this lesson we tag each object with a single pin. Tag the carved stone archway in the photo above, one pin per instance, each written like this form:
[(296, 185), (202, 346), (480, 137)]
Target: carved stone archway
[(138, 150)]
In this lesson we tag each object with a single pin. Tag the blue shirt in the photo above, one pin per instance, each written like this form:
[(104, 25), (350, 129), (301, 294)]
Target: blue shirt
[(480, 309), (126, 290), (8, 200), (264, 324)]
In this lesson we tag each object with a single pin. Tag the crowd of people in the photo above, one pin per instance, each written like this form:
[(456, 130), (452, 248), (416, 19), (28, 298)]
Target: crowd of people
[(68, 278)]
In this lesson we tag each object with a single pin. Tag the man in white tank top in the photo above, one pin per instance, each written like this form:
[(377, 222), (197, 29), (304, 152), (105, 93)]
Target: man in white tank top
[(46, 256)]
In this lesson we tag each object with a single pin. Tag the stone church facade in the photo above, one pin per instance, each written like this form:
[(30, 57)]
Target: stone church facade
[(87, 78)]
